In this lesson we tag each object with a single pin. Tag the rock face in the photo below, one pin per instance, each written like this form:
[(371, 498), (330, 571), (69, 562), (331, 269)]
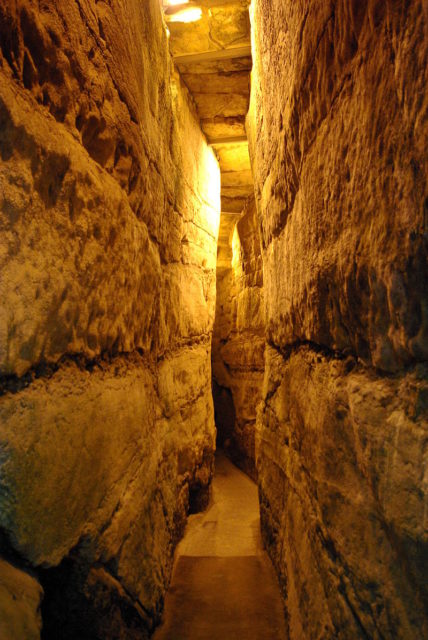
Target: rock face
[(238, 339), (20, 596), (109, 213), (338, 135), (213, 56)]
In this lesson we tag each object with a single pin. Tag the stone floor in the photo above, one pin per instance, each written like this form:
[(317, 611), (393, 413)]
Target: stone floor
[(223, 586)]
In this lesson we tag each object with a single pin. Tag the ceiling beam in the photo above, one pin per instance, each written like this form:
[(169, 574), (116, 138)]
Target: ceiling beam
[(229, 140), (219, 54), (208, 4), (218, 3)]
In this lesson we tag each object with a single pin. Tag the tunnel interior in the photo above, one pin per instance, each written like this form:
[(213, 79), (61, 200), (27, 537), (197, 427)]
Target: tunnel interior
[(213, 250)]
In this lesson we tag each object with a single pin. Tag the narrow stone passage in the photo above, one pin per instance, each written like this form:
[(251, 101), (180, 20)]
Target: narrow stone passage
[(213, 232), (223, 586)]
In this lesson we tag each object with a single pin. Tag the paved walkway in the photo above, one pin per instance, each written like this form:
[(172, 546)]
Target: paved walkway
[(223, 585)]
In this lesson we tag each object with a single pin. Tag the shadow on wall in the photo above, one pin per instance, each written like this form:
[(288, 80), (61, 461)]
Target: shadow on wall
[(238, 343), (87, 602), (224, 415)]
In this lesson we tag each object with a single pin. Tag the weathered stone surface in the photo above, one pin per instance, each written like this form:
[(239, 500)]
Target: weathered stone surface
[(338, 136), (219, 87), (76, 220), (237, 82), (237, 179), (228, 75), (233, 203), (238, 339), (234, 157), (20, 596), (341, 460), (339, 155), (221, 25), (222, 67), (221, 127), (228, 105), (87, 603), (101, 425), (109, 214), (224, 251), (236, 176)]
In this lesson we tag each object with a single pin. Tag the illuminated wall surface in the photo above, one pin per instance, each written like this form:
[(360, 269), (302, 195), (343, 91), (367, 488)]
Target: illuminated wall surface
[(238, 339), (109, 215), (151, 256), (338, 133)]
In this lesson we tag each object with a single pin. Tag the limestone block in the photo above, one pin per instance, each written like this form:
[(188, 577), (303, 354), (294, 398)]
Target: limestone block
[(109, 217), (96, 196), (341, 458), (236, 178), (116, 452), (69, 229), (238, 339), (222, 127), (222, 82), (20, 596), (230, 24), (220, 67), (338, 152), (337, 138), (234, 157), (244, 352), (218, 27), (224, 104), (233, 202), (78, 434)]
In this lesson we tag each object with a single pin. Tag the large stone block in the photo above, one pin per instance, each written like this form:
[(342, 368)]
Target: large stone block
[(20, 596), (338, 135), (98, 196), (99, 465), (109, 216), (238, 339), (341, 465), (338, 149)]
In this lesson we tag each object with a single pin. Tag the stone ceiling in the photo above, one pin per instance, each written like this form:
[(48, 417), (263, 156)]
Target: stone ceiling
[(213, 56)]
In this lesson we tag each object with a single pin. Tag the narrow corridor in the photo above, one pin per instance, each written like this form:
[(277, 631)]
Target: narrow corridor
[(213, 232), (223, 586)]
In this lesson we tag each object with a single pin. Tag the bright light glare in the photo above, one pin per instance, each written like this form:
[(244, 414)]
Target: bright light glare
[(212, 192), (174, 3), (236, 251), (187, 15)]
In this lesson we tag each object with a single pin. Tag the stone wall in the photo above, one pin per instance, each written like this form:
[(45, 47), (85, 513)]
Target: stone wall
[(109, 210), (20, 596), (238, 339), (338, 131)]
